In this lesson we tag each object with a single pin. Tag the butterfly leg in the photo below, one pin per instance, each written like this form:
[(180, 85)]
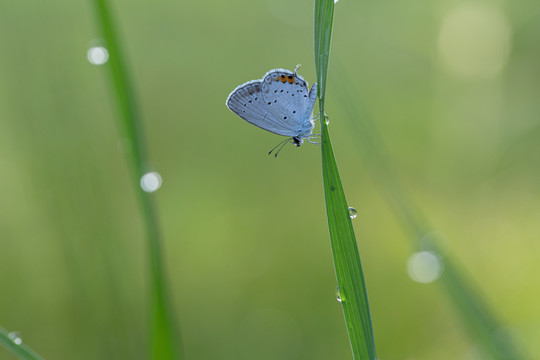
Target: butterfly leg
[(314, 139), (318, 116)]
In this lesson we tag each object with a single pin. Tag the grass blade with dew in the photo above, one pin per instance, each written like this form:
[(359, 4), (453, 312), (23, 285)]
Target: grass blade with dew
[(13, 343), (475, 313), (163, 340), (349, 275)]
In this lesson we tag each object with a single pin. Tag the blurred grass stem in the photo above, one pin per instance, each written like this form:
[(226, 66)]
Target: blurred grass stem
[(18, 349), (474, 311), (163, 338)]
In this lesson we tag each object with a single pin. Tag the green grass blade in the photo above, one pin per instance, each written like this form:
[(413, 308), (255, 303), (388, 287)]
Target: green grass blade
[(163, 338), (324, 18), (18, 349), (475, 313), (350, 278)]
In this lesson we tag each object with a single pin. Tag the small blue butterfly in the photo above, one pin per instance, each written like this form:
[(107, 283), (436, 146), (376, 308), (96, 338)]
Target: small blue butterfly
[(280, 102)]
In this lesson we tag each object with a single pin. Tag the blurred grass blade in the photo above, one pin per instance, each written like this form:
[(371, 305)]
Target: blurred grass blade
[(350, 278), (14, 344), (478, 317), (163, 338), (475, 313)]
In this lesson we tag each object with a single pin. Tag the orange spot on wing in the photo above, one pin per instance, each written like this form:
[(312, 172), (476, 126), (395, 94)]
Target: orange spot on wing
[(283, 78)]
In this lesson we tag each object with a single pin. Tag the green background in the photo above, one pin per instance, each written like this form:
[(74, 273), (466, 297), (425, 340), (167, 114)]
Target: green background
[(246, 241)]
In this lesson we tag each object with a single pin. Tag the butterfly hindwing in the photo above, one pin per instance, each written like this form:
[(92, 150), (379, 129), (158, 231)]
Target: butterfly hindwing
[(247, 101)]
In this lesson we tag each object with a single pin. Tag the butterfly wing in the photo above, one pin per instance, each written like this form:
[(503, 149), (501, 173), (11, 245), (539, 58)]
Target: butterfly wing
[(287, 97), (248, 102)]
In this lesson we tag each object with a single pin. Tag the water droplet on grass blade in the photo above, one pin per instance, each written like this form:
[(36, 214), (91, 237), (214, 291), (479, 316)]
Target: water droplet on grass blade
[(338, 294), (352, 212), (15, 336), (151, 181)]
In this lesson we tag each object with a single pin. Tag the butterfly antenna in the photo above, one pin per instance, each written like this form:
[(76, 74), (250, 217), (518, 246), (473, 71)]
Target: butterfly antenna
[(296, 68), (280, 146)]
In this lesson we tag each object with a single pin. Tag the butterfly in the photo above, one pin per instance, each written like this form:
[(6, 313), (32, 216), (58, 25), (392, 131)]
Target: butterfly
[(280, 102)]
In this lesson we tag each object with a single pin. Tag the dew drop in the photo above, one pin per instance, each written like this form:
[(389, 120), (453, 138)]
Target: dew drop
[(15, 336), (335, 1), (338, 294), (97, 55), (326, 120), (151, 181), (352, 212)]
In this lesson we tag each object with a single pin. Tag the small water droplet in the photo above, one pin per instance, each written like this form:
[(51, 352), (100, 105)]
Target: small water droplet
[(15, 336), (352, 212), (338, 294), (151, 181), (97, 55), (335, 1), (327, 120)]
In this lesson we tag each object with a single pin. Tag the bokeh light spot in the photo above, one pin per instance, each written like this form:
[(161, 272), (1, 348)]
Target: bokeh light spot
[(97, 55), (474, 41), (424, 267), (151, 181)]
